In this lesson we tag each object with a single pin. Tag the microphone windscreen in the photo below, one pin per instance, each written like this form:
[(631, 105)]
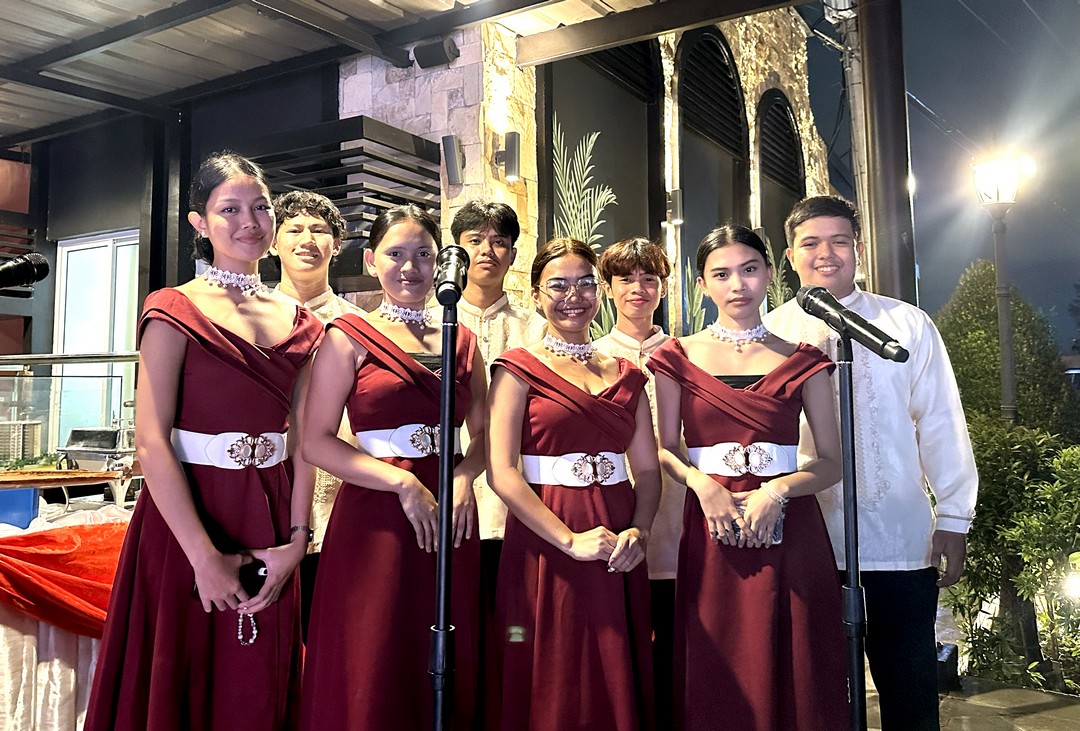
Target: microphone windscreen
[(40, 264)]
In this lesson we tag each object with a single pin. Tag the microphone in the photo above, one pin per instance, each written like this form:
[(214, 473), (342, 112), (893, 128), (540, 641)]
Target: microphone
[(818, 302), (24, 270), (451, 274)]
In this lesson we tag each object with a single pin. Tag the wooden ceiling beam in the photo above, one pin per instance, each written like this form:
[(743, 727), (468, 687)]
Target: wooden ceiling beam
[(79, 91), (461, 16), (630, 26), (145, 25), (350, 32)]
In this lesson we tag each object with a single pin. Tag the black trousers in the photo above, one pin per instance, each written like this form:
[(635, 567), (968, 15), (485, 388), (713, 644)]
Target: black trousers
[(901, 609), (662, 601)]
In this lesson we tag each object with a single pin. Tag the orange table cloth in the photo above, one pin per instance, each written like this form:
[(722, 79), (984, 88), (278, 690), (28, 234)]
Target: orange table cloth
[(62, 576)]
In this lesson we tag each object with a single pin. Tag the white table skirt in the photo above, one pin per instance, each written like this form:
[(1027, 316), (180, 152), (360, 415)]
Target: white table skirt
[(46, 672)]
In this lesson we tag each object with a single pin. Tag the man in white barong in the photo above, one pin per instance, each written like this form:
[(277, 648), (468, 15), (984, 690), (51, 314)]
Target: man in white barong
[(911, 443)]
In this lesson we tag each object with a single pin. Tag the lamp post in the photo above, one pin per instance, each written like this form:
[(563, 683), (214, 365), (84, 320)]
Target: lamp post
[(996, 183)]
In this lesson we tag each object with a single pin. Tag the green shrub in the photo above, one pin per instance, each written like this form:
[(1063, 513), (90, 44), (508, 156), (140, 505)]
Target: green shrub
[(969, 326)]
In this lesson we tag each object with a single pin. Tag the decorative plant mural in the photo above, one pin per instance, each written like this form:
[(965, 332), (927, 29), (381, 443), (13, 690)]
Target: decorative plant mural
[(579, 204), (694, 300), (778, 291)]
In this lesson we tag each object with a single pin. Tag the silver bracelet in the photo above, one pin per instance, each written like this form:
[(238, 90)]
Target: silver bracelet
[(775, 495)]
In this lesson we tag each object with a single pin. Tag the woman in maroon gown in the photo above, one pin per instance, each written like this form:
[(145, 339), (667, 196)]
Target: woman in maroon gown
[(187, 644), (374, 603), (572, 607), (759, 641)]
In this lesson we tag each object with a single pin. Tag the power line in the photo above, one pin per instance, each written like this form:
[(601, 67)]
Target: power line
[(1049, 30), (979, 18)]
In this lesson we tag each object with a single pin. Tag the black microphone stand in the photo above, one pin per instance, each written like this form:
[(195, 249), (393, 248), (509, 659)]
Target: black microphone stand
[(441, 659), (854, 601)]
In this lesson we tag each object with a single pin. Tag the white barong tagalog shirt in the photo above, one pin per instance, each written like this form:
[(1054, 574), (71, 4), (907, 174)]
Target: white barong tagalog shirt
[(499, 328), (326, 307), (911, 438), (662, 551)]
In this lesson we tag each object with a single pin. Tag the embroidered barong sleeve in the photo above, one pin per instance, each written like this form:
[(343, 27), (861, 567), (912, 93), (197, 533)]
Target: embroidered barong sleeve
[(941, 431)]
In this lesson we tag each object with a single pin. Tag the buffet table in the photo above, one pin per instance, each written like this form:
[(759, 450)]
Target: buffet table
[(55, 578)]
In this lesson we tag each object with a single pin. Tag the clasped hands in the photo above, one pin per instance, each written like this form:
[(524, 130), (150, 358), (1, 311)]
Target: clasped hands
[(722, 508), (622, 551), (217, 576), (422, 510)]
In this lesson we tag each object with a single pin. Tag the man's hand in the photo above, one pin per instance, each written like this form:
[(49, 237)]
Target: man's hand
[(947, 551)]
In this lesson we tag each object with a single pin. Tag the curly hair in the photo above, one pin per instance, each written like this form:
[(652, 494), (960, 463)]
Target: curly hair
[(296, 202)]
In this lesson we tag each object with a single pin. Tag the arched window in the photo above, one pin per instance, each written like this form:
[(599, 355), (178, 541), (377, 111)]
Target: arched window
[(714, 167), (783, 177)]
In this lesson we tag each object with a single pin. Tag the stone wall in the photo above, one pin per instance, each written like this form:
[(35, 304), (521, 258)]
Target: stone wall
[(479, 97), (482, 95)]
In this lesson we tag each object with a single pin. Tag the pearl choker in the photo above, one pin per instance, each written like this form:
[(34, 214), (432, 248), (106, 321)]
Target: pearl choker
[(249, 284), (393, 313), (755, 334), (577, 351)]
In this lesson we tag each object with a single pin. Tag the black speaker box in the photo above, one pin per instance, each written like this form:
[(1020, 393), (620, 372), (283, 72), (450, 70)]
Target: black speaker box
[(435, 53)]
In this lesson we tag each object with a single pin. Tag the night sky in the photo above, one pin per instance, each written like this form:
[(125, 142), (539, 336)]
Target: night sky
[(993, 72)]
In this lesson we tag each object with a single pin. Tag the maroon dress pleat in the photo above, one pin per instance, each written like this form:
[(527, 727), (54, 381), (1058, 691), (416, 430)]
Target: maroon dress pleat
[(164, 662), (759, 642), (574, 641), (374, 604)]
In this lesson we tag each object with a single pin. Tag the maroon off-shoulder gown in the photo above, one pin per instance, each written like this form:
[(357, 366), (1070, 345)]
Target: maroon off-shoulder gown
[(164, 662), (374, 603), (574, 641), (759, 642)]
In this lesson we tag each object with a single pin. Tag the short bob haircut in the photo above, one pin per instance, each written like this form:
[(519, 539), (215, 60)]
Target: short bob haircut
[(296, 202), (556, 249), (218, 168), (399, 214), (477, 215), (727, 235), (629, 255)]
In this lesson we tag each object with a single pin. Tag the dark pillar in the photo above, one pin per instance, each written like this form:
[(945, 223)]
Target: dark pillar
[(159, 227), (892, 238), (42, 309)]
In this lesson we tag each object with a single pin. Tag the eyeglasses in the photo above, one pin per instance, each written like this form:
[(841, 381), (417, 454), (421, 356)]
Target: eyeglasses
[(559, 289)]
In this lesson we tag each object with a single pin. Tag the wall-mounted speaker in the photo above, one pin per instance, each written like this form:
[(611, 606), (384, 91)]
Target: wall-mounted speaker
[(454, 157), (435, 53)]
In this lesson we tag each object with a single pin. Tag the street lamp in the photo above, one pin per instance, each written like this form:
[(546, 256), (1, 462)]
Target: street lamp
[(996, 183)]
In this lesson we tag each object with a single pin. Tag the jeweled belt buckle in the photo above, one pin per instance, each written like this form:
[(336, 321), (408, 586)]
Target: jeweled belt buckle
[(251, 450), (593, 469), (425, 440), (757, 459), (752, 459)]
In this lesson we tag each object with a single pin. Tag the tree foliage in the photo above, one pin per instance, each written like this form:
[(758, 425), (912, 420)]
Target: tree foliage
[(1074, 310), (969, 326)]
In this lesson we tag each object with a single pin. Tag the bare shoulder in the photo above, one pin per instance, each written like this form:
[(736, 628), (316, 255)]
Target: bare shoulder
[(780, 346)]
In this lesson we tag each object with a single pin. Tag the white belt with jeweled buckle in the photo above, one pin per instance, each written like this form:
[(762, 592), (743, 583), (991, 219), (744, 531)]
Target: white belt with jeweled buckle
[(576, 469), (409, 441), (731, 459), (232, 450)]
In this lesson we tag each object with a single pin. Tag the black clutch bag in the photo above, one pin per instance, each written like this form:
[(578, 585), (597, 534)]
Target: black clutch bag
[(252, 576)]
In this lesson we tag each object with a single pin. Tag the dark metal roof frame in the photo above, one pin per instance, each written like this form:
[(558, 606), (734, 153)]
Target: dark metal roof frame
[(630, 26), (361, 36), (357, 38)]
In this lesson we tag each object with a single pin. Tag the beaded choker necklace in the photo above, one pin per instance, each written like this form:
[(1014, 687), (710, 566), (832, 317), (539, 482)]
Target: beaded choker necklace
[(249, 284), (393, 313), (755, 334), (578, 351)]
